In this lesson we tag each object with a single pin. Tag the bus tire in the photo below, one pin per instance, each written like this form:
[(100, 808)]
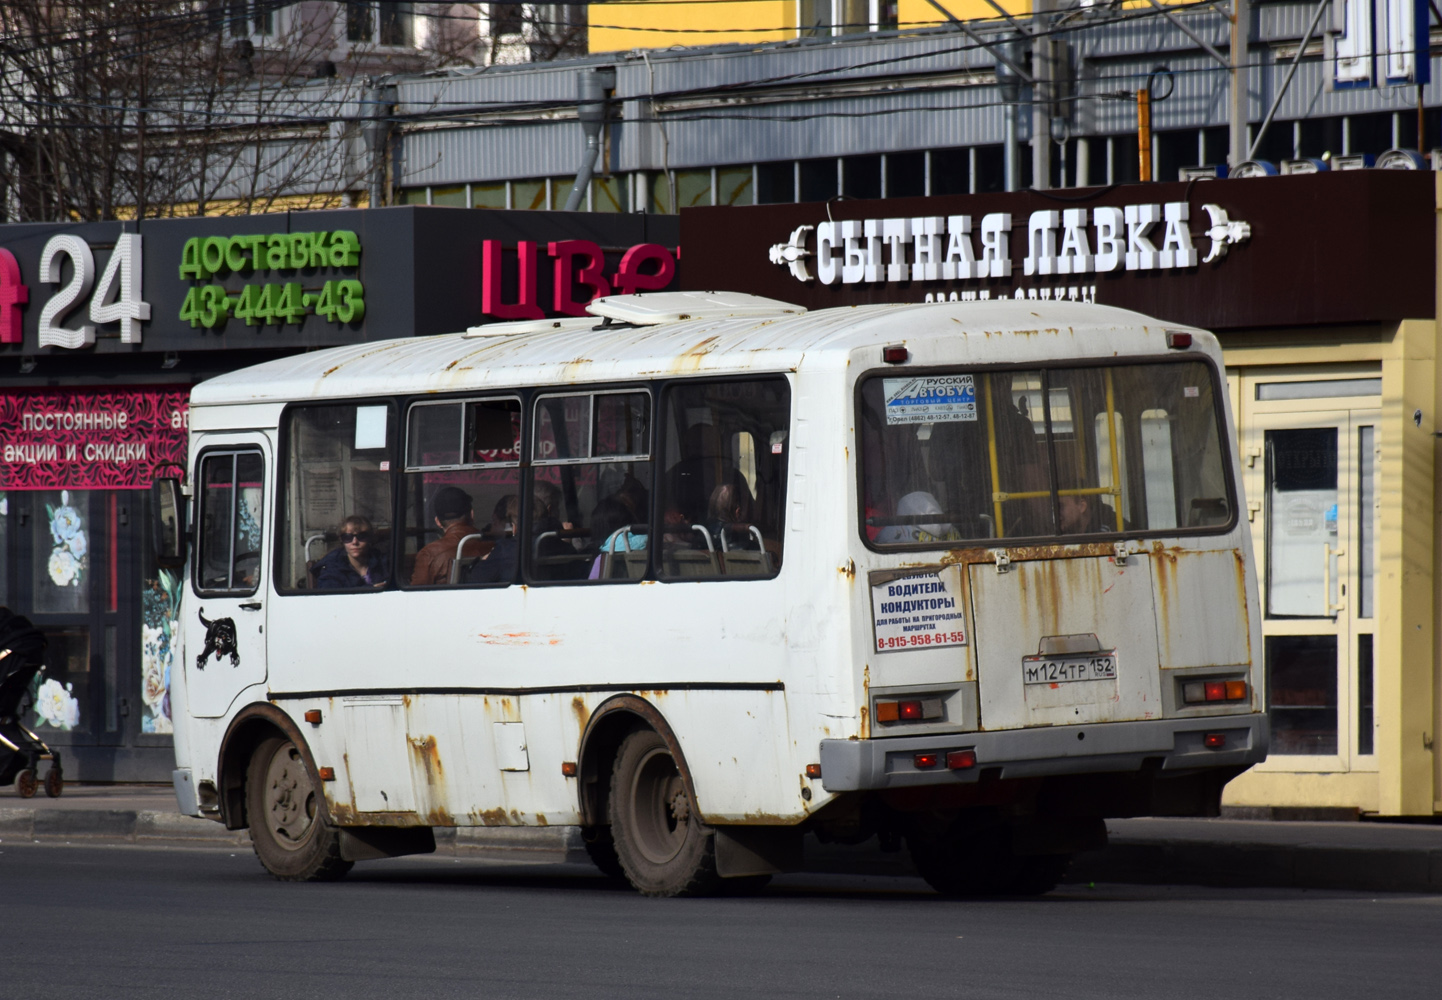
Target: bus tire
[(961, 863), (601, 849), (661, 843), (287, 829)]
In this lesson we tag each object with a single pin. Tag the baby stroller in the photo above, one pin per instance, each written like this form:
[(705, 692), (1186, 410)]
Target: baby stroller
[(22, 654)]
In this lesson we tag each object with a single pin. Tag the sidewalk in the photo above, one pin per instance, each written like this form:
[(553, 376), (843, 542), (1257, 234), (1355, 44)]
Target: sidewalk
[(1383, 857)]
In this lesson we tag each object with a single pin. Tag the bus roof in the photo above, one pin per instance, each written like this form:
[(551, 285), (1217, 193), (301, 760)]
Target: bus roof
[(954, 332)]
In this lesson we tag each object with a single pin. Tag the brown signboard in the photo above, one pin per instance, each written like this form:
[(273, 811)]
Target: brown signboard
[(1297, 251)]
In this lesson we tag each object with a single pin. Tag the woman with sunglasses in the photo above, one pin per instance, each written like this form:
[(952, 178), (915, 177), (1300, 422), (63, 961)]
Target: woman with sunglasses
[(356, 563)]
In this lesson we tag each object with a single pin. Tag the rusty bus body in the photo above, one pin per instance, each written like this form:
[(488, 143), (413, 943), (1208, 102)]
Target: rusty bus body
[(924, 644)]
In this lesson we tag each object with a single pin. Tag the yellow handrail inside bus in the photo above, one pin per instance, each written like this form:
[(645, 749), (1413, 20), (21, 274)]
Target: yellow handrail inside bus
[(996, 495), (1116, 489)]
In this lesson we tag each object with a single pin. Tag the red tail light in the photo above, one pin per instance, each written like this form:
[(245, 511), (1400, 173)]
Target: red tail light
[(961, 760), (895, 354), (1216, 691), (924, 760), (1214, 741), (1178, 341), (909, 709)]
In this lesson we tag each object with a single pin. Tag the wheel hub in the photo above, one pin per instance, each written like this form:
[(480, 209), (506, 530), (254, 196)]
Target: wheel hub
[(289, 798)]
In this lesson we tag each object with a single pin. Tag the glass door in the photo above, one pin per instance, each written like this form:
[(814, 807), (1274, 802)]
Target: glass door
[(1313, 493)]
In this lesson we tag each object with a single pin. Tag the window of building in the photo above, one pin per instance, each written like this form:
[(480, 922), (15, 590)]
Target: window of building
[(505, 19), (723, 492), (818, 179), (693, 188), (228, 533), (488, 195), (390, 24), (861, 176), (462, 492), (610, 194), (775, 182), (337, 532), (246, 19), (733, 186), (590, 486)]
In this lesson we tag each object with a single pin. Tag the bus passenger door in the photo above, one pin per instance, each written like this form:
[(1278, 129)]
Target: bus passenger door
[(225, 623)]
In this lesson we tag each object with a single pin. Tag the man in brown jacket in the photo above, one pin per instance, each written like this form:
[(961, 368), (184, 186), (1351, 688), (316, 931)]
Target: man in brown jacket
[(452, 509)]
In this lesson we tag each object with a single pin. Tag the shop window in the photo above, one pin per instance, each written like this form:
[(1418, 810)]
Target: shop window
[(1366, 707), (337, 530), (454, 196), (530, 195), (862, 176), (462, 492), (724, 480), (160, 591), (693, 188), (610, 194), (1302, 693), (63, 699), (61, 552), (228, 529), (775, 183), (488, 195), (4, 549), (951, 171), (905, 175), (590, 487), (818, 179), (733, 186)]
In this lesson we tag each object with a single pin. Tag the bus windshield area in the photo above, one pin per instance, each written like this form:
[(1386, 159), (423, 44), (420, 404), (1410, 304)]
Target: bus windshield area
[(961, 456)]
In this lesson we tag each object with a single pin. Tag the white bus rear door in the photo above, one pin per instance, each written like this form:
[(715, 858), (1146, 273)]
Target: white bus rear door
[(224, 627)]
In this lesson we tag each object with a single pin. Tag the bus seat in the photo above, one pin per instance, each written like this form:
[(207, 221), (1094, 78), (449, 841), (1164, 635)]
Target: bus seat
[(745, 562), (692, 563), (462, 563)]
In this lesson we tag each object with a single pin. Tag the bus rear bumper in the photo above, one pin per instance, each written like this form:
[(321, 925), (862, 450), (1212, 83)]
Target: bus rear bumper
[(1180, 744)]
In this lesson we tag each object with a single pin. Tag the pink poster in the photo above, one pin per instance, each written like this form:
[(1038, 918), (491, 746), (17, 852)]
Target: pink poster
[(86, 439)]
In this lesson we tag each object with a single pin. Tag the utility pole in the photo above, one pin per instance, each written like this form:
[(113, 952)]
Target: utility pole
[(1241, 39), (1009, 90), (1044, 73)]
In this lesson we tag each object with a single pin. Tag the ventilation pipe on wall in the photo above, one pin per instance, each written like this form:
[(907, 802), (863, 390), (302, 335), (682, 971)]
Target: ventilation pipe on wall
[(594, 88)]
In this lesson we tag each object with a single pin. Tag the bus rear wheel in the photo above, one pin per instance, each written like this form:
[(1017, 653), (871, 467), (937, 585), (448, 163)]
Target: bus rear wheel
[(661, 843), (289, 834), (959, 862)]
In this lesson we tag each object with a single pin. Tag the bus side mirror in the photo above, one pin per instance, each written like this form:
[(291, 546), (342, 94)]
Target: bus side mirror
[(168, 505)]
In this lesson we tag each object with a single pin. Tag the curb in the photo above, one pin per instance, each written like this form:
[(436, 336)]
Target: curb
[(1125, 860)]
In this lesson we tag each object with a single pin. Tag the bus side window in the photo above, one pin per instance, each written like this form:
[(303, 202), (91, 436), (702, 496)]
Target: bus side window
[(462, 453), (232, 497), (336, 532), (723, 487), (590, 487)]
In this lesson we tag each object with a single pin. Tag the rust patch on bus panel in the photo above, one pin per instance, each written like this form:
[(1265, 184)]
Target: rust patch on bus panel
[(582, 713), (424, 749), (492, 817), (848, 571)]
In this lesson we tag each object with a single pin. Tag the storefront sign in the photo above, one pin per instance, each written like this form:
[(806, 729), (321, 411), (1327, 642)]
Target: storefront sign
[(272, 303), (1073, 241), (1270, 252), (90, 440), (575, 262)]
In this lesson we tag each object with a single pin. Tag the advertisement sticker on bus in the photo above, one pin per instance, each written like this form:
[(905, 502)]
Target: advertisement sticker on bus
[(923, 611), (930, 399)]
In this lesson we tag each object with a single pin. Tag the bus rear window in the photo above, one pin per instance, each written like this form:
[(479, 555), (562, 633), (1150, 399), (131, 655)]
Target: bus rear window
[(1102, 450)]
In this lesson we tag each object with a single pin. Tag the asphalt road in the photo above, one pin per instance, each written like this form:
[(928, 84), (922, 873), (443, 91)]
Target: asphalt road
[(117, 922)]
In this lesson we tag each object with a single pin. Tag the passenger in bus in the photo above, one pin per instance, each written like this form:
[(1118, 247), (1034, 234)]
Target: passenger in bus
[(451, 508), (914, 505), (608, 520), (1085, 515), (546, 509), (729, 511), (356, 563), (499, 565)]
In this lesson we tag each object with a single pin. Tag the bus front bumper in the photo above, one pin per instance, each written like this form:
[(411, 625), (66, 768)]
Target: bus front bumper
[(1180, 744)]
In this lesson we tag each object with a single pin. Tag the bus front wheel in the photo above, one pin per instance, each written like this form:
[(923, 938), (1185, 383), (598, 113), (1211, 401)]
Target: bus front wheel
[(290, 837), (660, 841)]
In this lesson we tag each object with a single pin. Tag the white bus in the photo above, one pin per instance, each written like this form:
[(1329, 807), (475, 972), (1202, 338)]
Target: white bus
[(705, 573)]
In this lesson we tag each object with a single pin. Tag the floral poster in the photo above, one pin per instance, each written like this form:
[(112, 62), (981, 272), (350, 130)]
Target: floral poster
[(160, 635)]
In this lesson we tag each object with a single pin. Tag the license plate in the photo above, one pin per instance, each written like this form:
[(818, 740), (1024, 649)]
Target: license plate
[(1064, 669)]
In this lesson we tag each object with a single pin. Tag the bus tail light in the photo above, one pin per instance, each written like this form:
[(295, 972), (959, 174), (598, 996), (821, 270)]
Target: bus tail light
[(1197, 692), (1214, 741), (911, 710), (813, 770), (926, 760), (961, 760)]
